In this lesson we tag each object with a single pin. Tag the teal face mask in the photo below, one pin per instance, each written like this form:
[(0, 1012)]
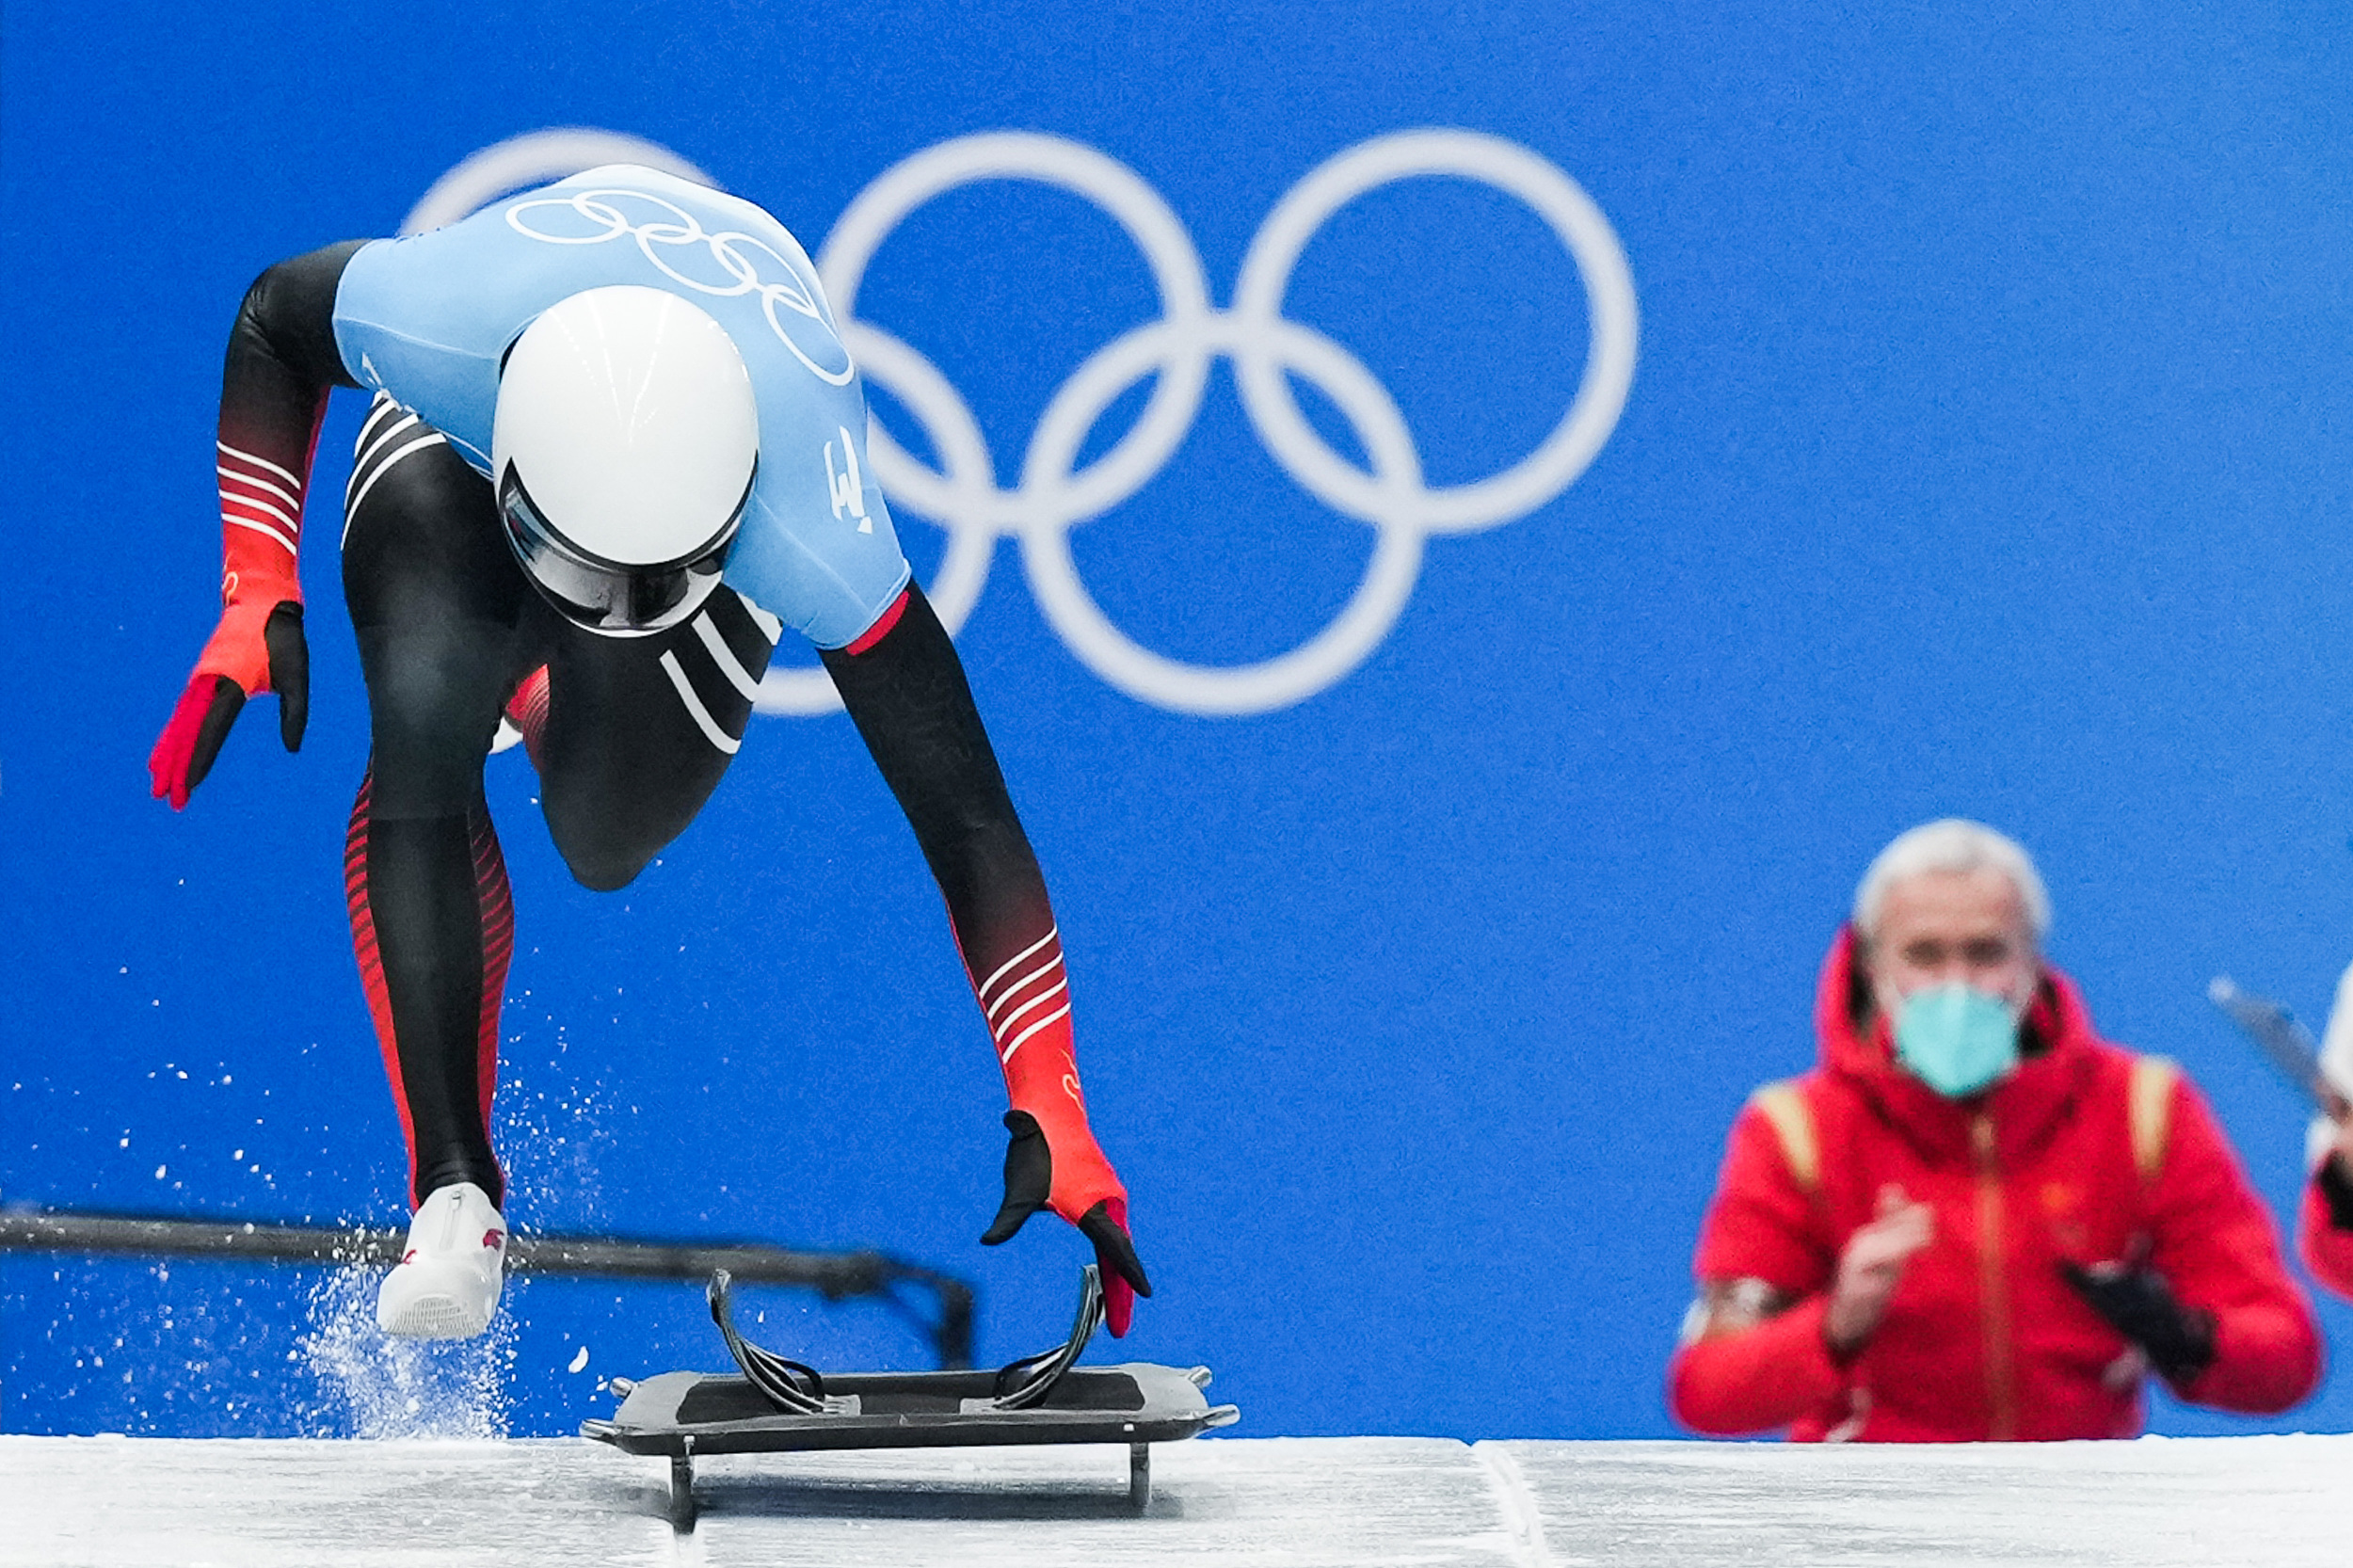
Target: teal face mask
[(1955, 1038)]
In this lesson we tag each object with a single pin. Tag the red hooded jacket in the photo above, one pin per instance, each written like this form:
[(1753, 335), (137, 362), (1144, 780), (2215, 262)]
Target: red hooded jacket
[(1984, 1338)]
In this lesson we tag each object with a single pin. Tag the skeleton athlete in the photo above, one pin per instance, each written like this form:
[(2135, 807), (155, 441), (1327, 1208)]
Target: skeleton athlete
[(616, 448)]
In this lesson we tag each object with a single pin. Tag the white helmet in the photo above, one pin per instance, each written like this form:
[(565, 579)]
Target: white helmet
[(623, 450)]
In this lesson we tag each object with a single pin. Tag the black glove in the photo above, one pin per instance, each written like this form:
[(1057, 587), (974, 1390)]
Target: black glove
[(2137, 1303), (2336, 1190)]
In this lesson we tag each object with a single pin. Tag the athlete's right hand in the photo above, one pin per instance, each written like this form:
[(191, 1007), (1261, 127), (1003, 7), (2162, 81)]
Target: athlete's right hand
[(258, 647)]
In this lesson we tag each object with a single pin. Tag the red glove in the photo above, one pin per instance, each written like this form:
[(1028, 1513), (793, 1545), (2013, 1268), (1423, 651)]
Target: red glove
[(1070, 1184), (1054, 1162), (258, 647)]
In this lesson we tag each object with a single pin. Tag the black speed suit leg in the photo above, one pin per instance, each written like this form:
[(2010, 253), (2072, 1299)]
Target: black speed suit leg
[(437, 602), (638, 733)]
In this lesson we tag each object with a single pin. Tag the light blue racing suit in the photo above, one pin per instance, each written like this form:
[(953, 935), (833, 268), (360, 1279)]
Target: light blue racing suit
[(427, 320)]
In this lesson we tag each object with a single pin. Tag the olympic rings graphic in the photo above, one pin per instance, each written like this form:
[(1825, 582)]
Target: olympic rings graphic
[(1054, 496)]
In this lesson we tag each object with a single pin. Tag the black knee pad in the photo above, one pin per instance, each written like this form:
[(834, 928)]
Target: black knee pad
[(434, 689)]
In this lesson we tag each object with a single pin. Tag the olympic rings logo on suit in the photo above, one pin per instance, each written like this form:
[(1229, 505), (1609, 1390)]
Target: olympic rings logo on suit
[(1054, 495), (600, 211)]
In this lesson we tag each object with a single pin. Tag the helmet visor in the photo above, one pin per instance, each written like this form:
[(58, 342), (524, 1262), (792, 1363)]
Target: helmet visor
[(613, 598)]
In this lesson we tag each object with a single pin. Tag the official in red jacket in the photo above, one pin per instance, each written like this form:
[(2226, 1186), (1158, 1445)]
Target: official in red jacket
[(1974, 1219)]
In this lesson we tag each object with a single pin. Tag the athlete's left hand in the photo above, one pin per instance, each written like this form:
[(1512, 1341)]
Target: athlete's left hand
[(1030, 1185)]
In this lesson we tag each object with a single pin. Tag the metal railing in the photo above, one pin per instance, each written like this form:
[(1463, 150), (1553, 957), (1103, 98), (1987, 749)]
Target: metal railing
[(835, 1275)]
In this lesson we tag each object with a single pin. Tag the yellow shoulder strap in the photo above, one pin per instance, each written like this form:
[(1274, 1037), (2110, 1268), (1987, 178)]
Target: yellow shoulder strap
[(1793, 1123), (2151, 1106)]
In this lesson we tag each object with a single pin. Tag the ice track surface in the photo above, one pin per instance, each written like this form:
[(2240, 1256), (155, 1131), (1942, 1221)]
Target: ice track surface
[(1270, 1503)]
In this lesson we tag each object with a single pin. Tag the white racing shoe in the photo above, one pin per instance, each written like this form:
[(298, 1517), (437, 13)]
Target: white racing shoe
[(447, 1283)]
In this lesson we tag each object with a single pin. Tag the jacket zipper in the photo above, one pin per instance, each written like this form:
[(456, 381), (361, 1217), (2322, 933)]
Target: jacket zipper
[(2001, 1371)]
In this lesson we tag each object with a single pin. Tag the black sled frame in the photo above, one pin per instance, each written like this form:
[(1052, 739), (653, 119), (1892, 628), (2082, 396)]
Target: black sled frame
[(776, 1405)]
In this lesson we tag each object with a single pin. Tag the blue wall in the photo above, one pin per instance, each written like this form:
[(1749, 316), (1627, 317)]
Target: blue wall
[(1987, 451)]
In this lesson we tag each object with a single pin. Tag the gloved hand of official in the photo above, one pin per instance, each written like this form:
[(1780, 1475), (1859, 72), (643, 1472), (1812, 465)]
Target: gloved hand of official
[(258, 647), (1030, 1185), (2140, 1306), (2335, 1175)]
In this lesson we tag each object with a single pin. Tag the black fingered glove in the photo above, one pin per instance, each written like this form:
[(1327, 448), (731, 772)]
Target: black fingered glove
[(2335, 1178), (2137, 1303), (289, 670), (1029, 1177)]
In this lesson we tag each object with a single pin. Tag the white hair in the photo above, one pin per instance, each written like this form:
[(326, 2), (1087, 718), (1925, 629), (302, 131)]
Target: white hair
[(1952, 844)]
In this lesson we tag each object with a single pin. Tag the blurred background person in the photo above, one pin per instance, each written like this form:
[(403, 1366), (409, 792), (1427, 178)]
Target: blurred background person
[(1974, 1219), (2325, 1231)]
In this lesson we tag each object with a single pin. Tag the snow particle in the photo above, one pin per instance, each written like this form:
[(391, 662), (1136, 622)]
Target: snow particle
[(580, 1362)]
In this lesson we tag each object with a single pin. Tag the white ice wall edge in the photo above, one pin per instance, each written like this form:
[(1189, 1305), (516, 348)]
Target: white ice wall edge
[(1365, 1502)]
